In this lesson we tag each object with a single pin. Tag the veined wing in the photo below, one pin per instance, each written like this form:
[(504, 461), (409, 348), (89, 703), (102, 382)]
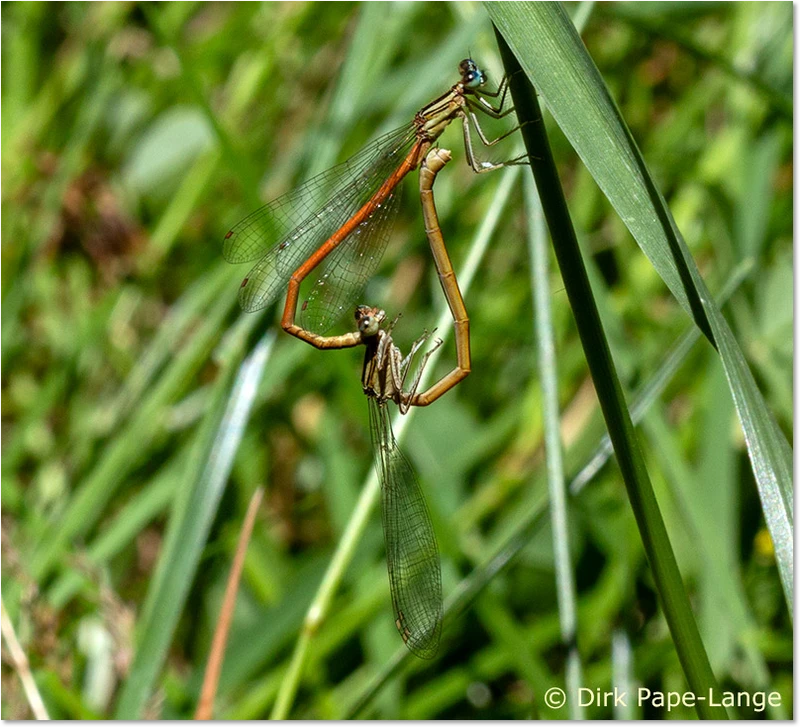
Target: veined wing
[(412, 555), (259, 231), (303, 219), (344, 273)]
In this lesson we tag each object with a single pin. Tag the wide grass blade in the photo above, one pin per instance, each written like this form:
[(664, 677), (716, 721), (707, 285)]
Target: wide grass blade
[(654, 536), (551, 53), (215, 448)]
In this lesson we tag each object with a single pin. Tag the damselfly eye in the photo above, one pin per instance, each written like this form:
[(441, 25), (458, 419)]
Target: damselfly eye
[(369, 325), (467, 65), (471, 75), (369, 320), (473, 80)]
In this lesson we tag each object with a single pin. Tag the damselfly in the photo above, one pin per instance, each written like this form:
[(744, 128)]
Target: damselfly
[(343, 216), (412, 556)]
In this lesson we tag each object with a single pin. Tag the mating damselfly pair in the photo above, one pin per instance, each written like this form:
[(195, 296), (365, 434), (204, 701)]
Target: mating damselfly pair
[(336, 227)]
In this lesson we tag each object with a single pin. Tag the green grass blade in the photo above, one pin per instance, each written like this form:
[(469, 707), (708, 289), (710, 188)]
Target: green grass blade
[(548, 374), (609, 392), (644, 398), (550, 51), (215, 448), (144, 508), (129, 448)]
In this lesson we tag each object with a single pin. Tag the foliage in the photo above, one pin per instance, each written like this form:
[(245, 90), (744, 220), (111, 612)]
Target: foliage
[(141, 409)]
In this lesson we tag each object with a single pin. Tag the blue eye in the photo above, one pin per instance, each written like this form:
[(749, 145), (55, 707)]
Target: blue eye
[(471, 75), (475, 79)]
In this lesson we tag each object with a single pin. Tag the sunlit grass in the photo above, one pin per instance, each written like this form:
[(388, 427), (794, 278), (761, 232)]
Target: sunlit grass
[(135, 135)]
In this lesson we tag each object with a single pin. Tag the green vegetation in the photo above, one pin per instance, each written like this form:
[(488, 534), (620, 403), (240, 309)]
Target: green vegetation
[(141, 409)]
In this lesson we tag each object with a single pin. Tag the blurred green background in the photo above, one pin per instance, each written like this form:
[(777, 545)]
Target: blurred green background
[(134, 135)]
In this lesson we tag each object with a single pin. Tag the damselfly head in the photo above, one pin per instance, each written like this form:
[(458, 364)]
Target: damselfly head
[(471, 75), (369, 320)]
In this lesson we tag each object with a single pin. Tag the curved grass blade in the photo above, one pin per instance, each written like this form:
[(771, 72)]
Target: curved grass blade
[(674, 601), (552, 55), (215, 448)]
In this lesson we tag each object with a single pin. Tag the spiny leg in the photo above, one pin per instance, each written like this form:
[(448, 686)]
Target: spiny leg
[(485, 107), (481, 167), (411, 392), (502, 91), (385, 347), (406, 362), (485, 139)]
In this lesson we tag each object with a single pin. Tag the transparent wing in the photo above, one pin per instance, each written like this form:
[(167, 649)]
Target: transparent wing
[(412, 555), (345, 272), (303, 219)]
